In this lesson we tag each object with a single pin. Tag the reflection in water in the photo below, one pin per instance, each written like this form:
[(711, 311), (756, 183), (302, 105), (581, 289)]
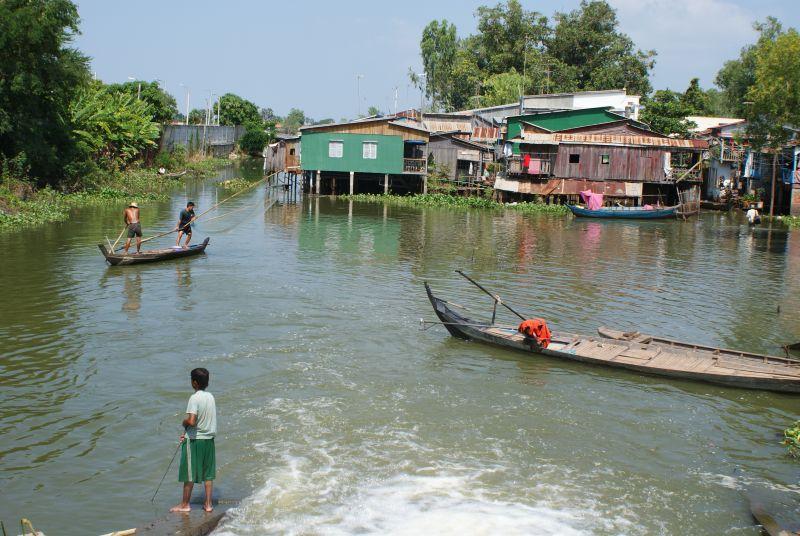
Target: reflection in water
[(132, 289), (338, 416)]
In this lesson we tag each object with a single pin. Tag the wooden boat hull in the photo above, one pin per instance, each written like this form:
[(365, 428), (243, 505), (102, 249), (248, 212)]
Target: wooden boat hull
[(153, 255), (625, 213), (683, 361)]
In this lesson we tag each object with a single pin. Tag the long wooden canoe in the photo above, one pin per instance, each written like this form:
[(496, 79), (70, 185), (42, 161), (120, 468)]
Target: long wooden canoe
[(628, 213), (151, 255), (640, 353)]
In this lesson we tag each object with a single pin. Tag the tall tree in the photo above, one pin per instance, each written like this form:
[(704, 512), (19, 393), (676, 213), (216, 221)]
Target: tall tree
[(589, 42), (197, 116), (775, 96), (736, 76), (695, 99), (666, 113), (507, 34), (234, 110), (40, 74), (161, 104), (503, 88), (294, 120), (438, 47)]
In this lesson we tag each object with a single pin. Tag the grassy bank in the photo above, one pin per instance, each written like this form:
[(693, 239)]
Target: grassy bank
[(449, 201), (22, 206)]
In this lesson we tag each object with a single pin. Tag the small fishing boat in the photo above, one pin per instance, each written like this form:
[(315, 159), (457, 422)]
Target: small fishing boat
[(151, 255), (633, 351), (633, 213)]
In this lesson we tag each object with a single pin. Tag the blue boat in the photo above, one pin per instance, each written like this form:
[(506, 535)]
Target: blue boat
[(637, 213)]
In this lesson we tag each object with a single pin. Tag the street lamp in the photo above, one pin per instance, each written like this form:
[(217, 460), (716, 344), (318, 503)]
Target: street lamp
[(358, 93), (187, 102), (138, 91)]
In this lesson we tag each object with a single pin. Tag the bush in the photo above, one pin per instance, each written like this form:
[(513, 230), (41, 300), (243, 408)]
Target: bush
[(171, 160), (255, 139)]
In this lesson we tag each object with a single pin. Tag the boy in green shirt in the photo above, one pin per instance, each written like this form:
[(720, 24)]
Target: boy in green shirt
[(198, 463)]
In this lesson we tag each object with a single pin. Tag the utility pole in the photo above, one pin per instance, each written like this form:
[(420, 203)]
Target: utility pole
[(358, 94), (395, 99), (219, 104), (138, 91), (187, 103)]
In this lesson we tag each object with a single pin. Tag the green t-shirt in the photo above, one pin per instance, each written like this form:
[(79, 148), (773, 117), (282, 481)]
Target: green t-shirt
[(202, 404)]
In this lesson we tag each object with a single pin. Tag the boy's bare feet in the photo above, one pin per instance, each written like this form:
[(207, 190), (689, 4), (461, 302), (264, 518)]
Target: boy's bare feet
[(181, 508), (208, 507)]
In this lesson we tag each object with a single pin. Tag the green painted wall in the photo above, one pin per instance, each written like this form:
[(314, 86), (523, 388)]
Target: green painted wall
[(314, 148), (558, 121)]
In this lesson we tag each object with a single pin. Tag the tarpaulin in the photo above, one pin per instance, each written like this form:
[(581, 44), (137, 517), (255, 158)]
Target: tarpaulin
[(593, 201)]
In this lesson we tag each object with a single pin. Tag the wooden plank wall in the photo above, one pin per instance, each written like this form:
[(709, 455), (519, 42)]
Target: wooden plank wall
[(642, 164), (378, 127)]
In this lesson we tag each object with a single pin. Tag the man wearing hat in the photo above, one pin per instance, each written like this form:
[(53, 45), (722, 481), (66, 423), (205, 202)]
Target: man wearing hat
[(134, 227), (185, 224)]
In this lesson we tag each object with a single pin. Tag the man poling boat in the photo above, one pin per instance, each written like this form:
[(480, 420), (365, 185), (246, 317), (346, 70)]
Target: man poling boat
[(186, 219), (628, 350)]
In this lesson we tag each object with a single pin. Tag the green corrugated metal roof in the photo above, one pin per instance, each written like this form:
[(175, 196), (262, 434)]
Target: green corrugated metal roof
[(566, 120), (558, 121)]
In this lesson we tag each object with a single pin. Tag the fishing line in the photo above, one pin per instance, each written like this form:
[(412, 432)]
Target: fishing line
[(167, 471)]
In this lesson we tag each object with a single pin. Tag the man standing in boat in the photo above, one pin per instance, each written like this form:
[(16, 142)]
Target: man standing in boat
[(131, 216), (185, 224)]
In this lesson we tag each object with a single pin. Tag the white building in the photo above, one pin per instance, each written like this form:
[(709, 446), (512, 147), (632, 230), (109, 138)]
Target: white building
[(618, 99)]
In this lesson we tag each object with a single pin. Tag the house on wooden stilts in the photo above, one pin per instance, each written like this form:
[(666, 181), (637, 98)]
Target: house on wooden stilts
[(556, 155), (372, 155)]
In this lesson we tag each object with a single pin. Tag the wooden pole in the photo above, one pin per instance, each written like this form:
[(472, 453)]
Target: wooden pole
[(494, 296), (772, 187), (352, 182), (119, 238), (386, 184)]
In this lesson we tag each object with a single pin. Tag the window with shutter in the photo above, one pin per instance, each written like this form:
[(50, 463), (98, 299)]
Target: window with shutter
[(369, 150), (335, 149)]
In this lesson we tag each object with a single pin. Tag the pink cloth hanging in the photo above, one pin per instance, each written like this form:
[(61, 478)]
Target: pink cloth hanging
[(593, 201), (535, 167)]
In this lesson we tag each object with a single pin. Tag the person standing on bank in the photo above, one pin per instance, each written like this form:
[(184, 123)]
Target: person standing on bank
[(185, 224), (198, 455), (131, 217)]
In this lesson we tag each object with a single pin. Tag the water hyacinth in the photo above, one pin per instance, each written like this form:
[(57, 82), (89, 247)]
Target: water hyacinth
[(450, 201), (791, 438)]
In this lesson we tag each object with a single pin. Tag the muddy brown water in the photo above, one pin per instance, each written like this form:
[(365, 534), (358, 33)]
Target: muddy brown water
[(338, 415)]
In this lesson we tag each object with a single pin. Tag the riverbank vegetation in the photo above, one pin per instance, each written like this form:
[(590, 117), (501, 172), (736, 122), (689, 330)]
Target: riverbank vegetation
[(67, 139), (450, 201), (791, 439)]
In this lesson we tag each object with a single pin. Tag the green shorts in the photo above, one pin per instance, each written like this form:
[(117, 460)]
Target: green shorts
[(198, 461)]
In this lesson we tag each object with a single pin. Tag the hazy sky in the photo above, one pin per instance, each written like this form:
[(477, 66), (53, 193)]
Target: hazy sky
[(306, 54)]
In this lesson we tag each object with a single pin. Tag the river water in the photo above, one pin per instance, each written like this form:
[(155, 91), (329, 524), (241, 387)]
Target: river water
[(338, 415)]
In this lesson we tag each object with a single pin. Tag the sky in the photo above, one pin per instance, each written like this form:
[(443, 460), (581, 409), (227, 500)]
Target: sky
[(335, 59)]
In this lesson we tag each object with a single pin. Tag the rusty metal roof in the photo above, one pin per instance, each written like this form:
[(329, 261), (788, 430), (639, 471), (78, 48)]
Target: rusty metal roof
[(447, 125), (490, 134), (611, 139)]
